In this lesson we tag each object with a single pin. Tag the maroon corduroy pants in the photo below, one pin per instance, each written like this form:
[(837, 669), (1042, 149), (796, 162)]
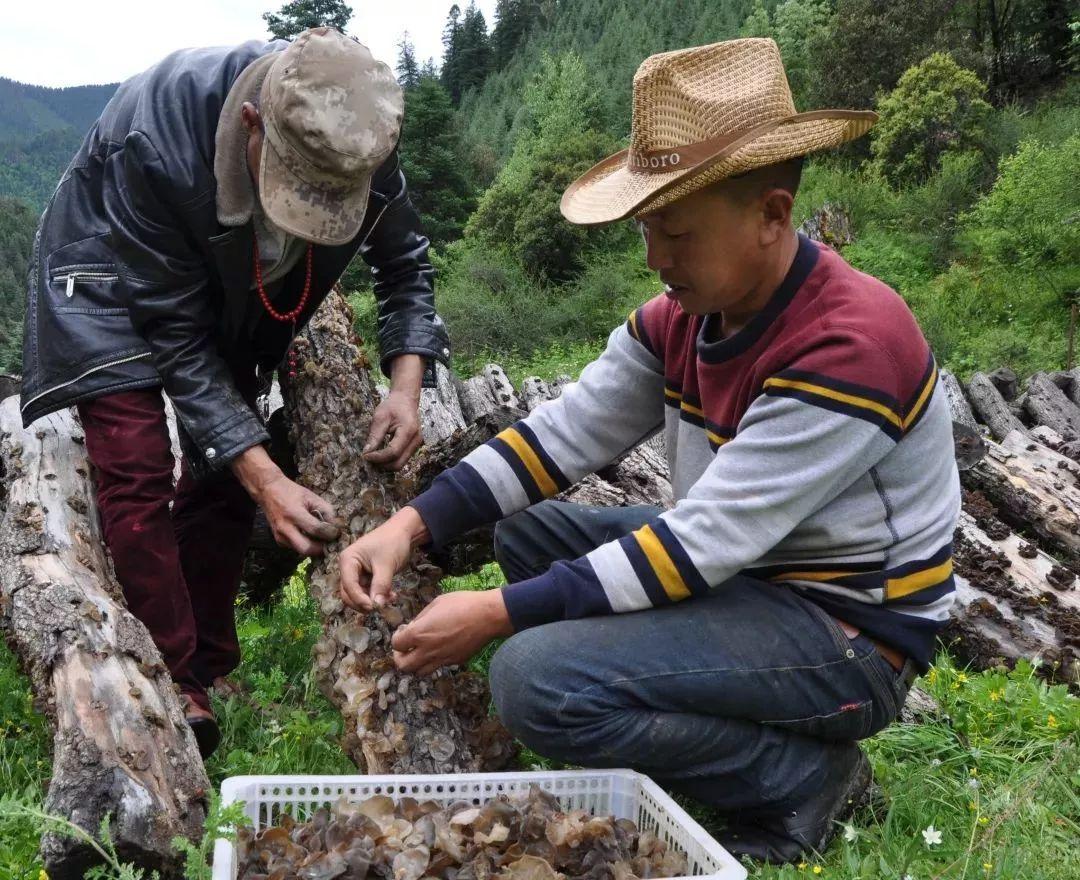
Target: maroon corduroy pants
[(179, 568)]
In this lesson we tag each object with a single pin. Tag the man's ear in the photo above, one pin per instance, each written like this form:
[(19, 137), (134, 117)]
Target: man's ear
[(251, 118), (775, 214)]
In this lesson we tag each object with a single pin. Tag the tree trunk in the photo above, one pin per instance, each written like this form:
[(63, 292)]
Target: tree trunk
[(1035, 490), (121, 747), (991, 407), (394, 723)]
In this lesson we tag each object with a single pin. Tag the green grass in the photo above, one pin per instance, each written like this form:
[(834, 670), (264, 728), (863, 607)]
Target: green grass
[(996, 771)]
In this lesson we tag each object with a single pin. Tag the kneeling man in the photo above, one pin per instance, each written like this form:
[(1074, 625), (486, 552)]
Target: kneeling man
[(737, 646)]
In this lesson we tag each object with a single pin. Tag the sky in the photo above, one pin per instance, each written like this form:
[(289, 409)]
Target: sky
[(77, 42)]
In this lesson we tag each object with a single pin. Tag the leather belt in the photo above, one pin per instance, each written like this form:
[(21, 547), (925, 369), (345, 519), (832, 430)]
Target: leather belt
[(893, 657)]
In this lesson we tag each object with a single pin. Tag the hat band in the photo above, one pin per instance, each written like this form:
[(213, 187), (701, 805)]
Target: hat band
[(691, 155)]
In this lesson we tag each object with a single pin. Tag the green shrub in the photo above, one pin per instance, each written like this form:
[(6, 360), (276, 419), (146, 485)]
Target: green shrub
[(936, 108), (1032, 214)]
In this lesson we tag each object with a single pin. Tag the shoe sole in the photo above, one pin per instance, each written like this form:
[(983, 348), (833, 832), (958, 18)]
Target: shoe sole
[(207, 735)]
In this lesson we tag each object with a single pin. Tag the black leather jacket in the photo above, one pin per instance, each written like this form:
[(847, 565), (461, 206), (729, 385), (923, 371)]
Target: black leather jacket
[(133, 282)]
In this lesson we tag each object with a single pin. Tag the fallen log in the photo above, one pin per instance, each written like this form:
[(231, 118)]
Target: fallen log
[(958, 405), (1013, 600), (1006, 382), (1047, 405), (121, 747), (1035, 491), (393, 723), (991, 407)]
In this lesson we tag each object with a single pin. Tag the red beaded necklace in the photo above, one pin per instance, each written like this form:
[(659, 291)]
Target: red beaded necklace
[(284, 317)]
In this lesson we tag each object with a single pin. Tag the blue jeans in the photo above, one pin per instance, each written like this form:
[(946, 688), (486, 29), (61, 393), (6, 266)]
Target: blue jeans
[(745, 700)]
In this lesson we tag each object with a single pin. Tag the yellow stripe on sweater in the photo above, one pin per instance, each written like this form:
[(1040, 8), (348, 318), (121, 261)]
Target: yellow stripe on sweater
[(914, 414), (853, 400), (531, 461), (662, 564), (896, 588), (633, 325)]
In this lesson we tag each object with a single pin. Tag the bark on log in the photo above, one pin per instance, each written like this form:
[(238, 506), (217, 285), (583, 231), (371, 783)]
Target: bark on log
[(500, 386), (991, 407), (121, 747), (1035, 491), (534, 391), (476, 398), (1012, 600), (9, 385), (958, 405), (394, 723), (1048, 405), (440, 409)]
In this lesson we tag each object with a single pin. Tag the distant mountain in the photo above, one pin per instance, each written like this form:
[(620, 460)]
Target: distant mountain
[(26, 111), (40, 129)]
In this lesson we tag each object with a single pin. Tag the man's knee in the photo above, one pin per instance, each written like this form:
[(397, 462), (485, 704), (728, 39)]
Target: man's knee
[(526, 688)]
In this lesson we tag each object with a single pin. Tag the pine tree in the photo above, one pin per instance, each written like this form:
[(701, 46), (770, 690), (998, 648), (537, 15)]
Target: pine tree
[(474, 60), (433, 160), (408, 71), (298, 15), (451, 41)]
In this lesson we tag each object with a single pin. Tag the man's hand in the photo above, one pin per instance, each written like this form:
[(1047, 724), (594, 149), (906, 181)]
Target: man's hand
[(396, 422), (298, 517), (450, 631), (369, 564)]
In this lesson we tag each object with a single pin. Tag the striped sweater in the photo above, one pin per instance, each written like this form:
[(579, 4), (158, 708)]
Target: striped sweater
[(812, 448)]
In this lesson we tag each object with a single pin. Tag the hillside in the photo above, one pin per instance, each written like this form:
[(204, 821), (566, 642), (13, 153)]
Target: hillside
[(28, 110)]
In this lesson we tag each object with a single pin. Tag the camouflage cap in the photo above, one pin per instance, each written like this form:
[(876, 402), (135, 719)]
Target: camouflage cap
[(332, 115)]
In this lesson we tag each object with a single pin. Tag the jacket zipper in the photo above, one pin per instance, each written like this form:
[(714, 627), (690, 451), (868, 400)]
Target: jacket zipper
[(69, 289), (92, 370)]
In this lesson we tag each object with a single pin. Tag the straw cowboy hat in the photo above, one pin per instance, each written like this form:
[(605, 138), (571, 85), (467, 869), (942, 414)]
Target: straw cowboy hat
[(702, 115)]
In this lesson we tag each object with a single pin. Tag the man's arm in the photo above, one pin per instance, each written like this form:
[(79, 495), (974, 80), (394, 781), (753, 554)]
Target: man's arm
[(615, 404), (397, 252)]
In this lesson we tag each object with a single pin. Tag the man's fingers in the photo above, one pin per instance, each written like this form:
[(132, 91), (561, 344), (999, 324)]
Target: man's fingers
[(380, 423), (315, 528), (384, 455), (382, 583), (403, 459), (353, 582), (323, 509), (403, 639), (301, 543)]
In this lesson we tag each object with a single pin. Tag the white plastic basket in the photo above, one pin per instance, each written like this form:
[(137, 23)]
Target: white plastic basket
[(624, 794)]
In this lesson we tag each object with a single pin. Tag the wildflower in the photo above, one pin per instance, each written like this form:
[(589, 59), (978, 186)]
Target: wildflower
[(1051, 722), (960, 677), (931, 835), (41, 875), (931, 676), (817, 869), (972, 805), (974, 771), (973, 783), (987, 866), (983, 820), (996, 695), (850, 834), (936, 762), (802, 866)]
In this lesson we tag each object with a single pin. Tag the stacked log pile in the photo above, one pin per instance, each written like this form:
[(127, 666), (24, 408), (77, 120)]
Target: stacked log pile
[(1018, 544)]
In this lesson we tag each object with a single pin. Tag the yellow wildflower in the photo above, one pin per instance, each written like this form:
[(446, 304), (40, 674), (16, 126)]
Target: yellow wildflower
[(983, 820), (974, 771), (802, 866), (931, 676), (987, 866), (817, 869), (41, 875), (960, 677), (1051, 722)]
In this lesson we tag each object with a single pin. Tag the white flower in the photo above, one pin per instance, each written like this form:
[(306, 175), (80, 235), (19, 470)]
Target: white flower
[(931, 835), (850, 834), (936, 762), (973, 783), (908, 877)]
